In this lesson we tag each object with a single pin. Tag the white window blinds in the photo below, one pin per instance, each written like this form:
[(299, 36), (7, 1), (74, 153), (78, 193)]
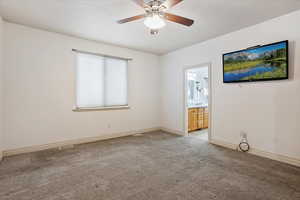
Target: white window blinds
[(101, 81)]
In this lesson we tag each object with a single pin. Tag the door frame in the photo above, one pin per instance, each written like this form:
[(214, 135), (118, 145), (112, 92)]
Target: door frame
[(185, 88)]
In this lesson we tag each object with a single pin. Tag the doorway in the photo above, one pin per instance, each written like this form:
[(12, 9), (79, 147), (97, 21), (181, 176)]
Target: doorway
[(197, 104)]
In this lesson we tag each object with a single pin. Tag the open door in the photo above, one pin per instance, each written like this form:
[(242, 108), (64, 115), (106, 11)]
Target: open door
[(198, 101)]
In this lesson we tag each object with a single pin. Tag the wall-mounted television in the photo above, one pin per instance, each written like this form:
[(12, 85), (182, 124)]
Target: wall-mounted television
[(260, 63)]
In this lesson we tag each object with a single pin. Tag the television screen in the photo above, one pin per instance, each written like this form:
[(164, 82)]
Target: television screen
[(262, 63)]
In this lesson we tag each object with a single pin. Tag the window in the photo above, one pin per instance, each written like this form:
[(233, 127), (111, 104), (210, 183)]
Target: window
[(101, 81)]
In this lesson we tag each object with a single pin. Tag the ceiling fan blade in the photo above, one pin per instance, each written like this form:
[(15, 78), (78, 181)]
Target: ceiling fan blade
[(170, 3), (179, 19), (140, 3), (130, 19)]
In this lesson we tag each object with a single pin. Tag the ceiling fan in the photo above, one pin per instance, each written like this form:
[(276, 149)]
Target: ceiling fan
[(155, 14)]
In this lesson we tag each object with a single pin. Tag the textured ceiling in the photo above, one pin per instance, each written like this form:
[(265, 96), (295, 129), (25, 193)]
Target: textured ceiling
[(96, 19)]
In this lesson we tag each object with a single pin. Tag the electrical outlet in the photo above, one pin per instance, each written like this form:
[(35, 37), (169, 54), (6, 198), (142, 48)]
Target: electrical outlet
[(243, 135)]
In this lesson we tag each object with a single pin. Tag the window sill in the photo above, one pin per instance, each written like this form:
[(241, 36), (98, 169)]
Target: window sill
[(101, 108)]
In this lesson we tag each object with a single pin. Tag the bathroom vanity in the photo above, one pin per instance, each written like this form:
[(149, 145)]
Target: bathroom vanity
[(198, 118)]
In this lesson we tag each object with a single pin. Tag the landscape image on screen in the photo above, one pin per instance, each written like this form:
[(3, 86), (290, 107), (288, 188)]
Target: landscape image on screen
[(262, 63)]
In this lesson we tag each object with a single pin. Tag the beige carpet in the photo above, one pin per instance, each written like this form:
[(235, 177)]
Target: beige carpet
[(156, 166), (200, 134)]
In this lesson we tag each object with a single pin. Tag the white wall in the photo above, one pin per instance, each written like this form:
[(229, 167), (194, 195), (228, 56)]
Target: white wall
[(40, 91), (268, 112), (1, 89)]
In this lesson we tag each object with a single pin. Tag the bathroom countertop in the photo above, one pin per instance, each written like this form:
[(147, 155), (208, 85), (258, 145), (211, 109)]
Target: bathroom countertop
[(197, 106)]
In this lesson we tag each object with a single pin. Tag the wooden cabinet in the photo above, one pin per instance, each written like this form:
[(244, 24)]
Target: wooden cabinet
[(198, 118), (193, 122)]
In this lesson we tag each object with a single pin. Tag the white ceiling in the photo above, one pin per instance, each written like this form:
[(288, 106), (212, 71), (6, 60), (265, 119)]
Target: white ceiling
[(96, 19)]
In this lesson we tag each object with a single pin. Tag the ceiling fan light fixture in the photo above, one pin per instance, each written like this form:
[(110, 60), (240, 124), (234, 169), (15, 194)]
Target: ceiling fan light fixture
[(154, 22)]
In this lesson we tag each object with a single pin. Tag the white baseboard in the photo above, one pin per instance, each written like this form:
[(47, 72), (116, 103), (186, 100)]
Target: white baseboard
[(61, 145), (181, 133), (223, 144), (273, 156)]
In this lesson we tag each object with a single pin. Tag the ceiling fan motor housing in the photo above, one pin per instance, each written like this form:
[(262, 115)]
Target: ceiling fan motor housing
[(155, 8)]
